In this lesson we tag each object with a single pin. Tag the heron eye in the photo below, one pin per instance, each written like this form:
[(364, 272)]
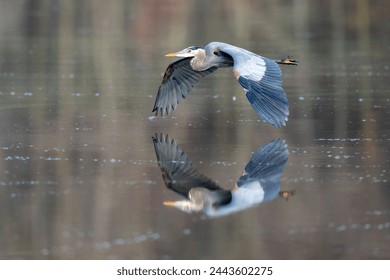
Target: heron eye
[(188, 51)]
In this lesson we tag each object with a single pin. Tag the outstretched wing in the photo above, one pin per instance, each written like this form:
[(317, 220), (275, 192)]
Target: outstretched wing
[(176, 168), (266, 166), (261, 79), (178, 80)]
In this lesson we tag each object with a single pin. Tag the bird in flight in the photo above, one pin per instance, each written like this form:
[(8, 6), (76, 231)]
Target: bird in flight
[(260, 181), (260, 77)]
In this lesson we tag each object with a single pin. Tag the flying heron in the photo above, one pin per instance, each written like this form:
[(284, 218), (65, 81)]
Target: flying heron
[(260, 77), (259, 182)]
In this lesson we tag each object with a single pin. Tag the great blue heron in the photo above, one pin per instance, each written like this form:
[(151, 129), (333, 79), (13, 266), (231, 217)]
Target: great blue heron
[(260, 77), (260, 181)]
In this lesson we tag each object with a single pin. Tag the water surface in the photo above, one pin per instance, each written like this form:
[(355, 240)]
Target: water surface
[(79, 177)]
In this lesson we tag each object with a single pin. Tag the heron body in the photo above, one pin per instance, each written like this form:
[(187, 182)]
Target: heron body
[(242, 198), (260, 181), (260, 77)]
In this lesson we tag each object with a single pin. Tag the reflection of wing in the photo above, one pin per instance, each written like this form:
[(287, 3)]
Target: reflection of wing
[(266, 167), (179, 79), (261, 79), (176, 168)]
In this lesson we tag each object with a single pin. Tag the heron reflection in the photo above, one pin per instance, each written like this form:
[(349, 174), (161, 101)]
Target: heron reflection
[(260, 181)]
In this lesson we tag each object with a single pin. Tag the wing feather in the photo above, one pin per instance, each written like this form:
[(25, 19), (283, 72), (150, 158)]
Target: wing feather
[(179, 79), (176, 168), (261, 79), (266, 167)]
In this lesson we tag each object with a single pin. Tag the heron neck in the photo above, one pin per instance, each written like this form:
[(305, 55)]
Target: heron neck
[(197, 63)]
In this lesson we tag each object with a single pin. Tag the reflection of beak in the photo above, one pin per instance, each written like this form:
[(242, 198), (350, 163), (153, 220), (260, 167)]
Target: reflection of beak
[(169, 203)]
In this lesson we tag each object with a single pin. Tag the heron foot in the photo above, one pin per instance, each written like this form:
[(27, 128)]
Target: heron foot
[(286, 194), (289, 60)]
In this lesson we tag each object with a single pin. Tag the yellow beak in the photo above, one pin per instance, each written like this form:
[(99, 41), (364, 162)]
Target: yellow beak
[(171, 54), (169, 203), (183, 53)]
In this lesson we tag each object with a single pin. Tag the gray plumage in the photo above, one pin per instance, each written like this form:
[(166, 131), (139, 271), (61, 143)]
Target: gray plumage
[(260, 77), (260, 181)]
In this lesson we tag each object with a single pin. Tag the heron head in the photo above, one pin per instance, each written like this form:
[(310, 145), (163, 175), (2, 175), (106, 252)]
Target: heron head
[(187, 52)]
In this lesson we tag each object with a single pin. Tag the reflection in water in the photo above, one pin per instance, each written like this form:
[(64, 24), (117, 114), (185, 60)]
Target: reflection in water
[(260, 181), (78, 176), (260, 77)]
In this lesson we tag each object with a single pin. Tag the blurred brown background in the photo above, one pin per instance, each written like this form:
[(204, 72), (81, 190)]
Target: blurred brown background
[(78, 175)]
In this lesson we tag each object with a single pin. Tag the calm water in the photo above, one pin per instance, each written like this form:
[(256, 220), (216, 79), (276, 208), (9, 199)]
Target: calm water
[(78, 172)]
